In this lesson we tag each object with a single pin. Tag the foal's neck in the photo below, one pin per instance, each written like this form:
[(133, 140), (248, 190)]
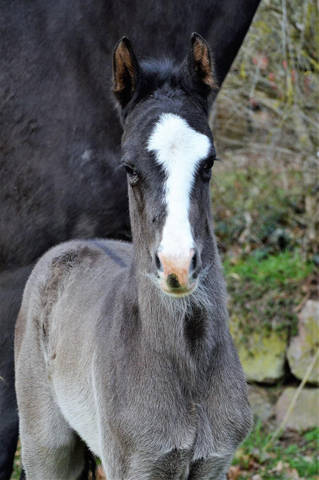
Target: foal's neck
[(182, 328)]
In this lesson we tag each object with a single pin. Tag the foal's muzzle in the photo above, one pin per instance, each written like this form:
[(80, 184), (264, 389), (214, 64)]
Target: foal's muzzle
[(178, 274)]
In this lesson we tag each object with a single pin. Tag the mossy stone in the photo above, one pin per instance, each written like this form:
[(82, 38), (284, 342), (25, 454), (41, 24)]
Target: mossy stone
[(262, 353), (304, 415), (304, 346)]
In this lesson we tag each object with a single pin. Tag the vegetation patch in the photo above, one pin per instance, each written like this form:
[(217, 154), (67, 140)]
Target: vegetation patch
[(265, 293), (257, 209), (293, 456)]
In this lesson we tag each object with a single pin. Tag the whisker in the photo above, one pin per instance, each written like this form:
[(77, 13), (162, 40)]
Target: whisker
[(200, 298)]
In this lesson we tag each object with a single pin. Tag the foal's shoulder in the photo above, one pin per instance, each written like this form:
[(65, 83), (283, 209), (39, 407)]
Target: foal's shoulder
[(57, 262), (65, 258), (47, 281), (67, 255)]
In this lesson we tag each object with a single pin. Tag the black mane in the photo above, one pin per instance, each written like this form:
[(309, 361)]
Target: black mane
[(163, 79)]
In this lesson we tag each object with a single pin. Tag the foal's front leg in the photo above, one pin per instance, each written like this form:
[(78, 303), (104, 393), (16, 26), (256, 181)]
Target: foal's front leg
[(214, 468), (173, 465)]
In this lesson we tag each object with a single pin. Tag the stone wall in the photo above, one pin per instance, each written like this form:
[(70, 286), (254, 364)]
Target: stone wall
[(272, 358)]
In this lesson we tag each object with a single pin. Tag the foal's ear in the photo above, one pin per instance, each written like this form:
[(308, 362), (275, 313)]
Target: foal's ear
[(126, 72), (200, 65)]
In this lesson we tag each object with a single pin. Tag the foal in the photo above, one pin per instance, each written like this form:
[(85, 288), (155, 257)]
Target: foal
[(126, 348)]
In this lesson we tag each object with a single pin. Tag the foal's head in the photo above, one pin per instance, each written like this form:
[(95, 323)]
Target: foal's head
[(168, 153)]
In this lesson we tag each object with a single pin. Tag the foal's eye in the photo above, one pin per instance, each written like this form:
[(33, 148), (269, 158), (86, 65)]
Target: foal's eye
[(132, 173), (129, 170), (209, 164), (206, 169)]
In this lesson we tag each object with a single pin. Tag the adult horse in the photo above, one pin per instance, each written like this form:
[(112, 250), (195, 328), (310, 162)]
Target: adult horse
[(60, 136)]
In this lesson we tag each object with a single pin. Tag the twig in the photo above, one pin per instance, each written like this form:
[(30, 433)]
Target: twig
[(299, 307), (293, 403)]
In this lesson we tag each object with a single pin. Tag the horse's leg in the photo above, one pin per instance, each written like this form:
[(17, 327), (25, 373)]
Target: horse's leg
[(11, 288), (8, 406), (212, 469), (88, 472), (50, 448), (173, 465)]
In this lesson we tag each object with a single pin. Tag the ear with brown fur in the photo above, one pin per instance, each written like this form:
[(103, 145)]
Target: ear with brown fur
[(126, 72), (200, 65)]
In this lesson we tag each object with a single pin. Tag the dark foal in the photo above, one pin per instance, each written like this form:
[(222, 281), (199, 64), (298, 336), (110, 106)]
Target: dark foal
[(126, 348)]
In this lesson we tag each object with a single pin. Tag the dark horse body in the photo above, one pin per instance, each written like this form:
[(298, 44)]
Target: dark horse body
[(60, 137)]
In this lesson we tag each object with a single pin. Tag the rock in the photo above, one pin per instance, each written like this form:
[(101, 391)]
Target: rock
[(262, 354), (262, 402), (303, 347), (305, 414)]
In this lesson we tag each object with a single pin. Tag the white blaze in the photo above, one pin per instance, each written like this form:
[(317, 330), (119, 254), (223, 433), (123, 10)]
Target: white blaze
[(179, 149)]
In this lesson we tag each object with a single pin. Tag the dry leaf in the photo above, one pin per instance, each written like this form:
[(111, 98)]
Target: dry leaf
[(100, 474), (279, 466), (234, 472), (292, 474)]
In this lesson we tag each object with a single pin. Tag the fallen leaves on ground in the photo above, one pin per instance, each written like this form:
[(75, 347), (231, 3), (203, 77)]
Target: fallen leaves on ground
[(254, 470), (234, 472), (100, 475)]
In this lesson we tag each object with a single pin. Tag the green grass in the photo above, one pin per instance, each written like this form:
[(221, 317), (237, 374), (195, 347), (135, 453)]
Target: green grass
[(278, 271), (266, 291), (278, 462)]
